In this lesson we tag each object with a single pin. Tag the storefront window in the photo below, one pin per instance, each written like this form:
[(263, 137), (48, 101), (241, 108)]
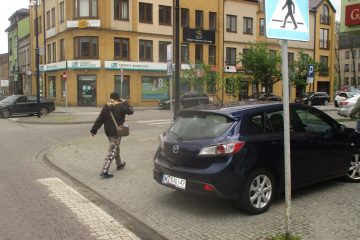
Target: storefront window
[(63, 88), (52, 86), (154, 88), (124, 88)]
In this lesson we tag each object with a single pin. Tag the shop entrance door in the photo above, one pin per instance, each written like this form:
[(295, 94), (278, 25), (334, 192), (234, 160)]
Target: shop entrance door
[(86, 90)]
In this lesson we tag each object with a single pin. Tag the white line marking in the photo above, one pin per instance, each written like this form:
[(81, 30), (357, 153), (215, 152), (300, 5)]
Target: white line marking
[(159, 123), (153, 121), (100, 224)]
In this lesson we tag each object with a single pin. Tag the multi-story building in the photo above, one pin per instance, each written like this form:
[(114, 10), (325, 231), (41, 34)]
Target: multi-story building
[(102, 46), (4, 73), (17, 27), (349, 43)]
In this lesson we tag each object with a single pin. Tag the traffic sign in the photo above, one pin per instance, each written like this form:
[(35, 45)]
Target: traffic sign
[(311, 74), (287, 19), (64, 75)]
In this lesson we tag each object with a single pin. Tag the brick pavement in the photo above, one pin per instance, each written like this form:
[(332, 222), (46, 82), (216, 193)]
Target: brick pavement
[(327, 211)]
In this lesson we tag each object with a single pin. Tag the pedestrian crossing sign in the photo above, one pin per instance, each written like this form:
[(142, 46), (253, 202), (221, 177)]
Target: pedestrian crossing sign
[(287, 19)]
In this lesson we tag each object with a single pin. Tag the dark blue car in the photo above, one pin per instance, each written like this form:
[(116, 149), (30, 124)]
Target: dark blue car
[(238, 152)]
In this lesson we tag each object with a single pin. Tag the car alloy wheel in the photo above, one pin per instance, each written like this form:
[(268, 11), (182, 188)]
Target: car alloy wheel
[(44, 111), (258, 192), (309, 103), (326, 102), (5, 113), (353, 174)]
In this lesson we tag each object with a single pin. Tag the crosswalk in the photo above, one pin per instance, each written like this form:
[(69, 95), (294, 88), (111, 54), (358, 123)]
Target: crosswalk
[(158, 122)]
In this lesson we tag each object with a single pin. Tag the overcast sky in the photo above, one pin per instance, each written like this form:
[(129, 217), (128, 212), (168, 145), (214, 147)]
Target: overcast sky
[(10, 6)]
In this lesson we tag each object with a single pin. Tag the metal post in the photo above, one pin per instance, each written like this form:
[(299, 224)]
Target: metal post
[(37, 61), (121, 84), (285, 74), (177, 59)]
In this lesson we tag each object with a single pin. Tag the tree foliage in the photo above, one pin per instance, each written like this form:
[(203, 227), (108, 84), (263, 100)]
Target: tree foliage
[(262, 65)]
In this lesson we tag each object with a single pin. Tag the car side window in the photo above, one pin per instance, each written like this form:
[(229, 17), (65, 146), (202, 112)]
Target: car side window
[(312, 122), (252, 125), (21, 99), (275, 122)]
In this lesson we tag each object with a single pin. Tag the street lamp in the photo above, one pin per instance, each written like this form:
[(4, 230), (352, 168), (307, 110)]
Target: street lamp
[(37, 62)]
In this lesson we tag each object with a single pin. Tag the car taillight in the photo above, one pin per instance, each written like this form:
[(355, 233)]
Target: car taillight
[(222, 149), (344, 103)]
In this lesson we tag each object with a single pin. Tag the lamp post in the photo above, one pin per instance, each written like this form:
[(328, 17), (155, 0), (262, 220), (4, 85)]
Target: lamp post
[(37, 55)]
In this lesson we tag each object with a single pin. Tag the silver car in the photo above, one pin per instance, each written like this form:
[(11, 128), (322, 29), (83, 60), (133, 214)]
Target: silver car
[(346, 106)]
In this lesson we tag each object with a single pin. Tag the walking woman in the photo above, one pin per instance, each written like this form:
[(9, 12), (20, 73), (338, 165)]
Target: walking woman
[(119, 108)]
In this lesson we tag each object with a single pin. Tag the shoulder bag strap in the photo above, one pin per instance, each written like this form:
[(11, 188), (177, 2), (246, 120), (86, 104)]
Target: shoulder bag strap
[(112, 116)]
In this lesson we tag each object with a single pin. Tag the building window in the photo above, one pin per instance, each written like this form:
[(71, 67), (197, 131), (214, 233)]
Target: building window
[(248, 25), (230, 56), (346, 68), (121, 9), (124, 87), (154, 87), (145, 12), (62, 49), (121, 48), (185, 53), (48, 18), (164, 15), (212, 54), (63, 88), (352, 68), (145, 50), (324, 38), (86, 47), (199, 22), (353, 53), (49, 53), (231, 23), (262, 27), (324, 66), (163, 51), (185, 17), (52, 86), (53, 17), (212, 21), (198, 53), (62, 12), (324, 17), (229, 86), (85, 8), (290, 58), (54, 52), (347, 54)]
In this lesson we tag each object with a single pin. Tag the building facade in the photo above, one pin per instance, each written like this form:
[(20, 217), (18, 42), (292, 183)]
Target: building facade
[(349, 43), (4, 73), (91, 47)]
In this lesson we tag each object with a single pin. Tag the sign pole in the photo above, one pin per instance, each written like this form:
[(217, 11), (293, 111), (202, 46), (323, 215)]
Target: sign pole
[(285, 74)]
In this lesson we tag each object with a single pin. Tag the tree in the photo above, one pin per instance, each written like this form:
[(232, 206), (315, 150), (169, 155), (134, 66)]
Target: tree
[(262, 65), (298, 71)]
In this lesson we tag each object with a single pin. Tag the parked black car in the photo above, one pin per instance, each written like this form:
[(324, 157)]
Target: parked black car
[(188, 99), (24, 105), (238, 152), (314, 98)]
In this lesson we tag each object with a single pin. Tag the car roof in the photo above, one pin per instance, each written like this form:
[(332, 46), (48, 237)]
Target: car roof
[(236, 111)]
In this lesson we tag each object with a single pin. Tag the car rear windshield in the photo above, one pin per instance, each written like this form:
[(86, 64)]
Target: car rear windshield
[(200, 125)]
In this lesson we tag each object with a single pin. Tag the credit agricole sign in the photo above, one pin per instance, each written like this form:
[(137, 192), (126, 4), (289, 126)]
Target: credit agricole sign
[(352, 15)]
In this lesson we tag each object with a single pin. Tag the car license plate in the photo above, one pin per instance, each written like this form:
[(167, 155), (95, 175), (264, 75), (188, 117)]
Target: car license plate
[(174, 181)]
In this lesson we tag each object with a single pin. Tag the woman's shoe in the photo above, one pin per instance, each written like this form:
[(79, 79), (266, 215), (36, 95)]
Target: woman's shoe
[(121, 166), (106, 175)]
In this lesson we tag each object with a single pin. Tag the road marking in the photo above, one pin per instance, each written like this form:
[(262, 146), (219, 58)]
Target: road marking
[(100, 224), (159, 123), (153, 121)]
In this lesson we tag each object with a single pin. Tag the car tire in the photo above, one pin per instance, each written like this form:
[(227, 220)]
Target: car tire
[(5, 113), (258, 192), (336, 104), (326, 102), (44, 111), (353, 174)]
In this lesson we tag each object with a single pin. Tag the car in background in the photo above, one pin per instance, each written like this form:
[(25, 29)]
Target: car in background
[(341, 96), (188, 99), (237, 152), (346, 106), (314, 98), (262, 96), (25, 105)]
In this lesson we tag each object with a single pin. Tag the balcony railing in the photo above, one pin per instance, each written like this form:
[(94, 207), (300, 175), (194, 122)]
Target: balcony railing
[(325, 19)]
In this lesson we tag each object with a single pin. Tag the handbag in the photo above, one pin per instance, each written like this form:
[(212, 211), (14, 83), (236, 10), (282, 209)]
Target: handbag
[(122, 130)]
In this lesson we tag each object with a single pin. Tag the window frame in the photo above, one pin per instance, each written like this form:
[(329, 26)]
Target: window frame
[(145, 13), (77, 47), (121, 42), (212, 55), (143, 57), (199, 52), (62, 12), (199, 19), (53, 17), (212, 21), (77, 9), (184, 49), (62, 49), (118, 13), (185, 17), (230, 20), (230, 60), (163, 51), (165, 15), (246, 27)]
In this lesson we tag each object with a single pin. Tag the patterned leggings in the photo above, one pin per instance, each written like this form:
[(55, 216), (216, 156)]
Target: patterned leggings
[(113, 153)]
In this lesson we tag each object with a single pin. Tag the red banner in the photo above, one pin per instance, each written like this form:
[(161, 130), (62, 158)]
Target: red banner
[(352, 15)]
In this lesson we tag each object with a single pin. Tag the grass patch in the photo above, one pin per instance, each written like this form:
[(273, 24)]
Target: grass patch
[(283, 237)]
